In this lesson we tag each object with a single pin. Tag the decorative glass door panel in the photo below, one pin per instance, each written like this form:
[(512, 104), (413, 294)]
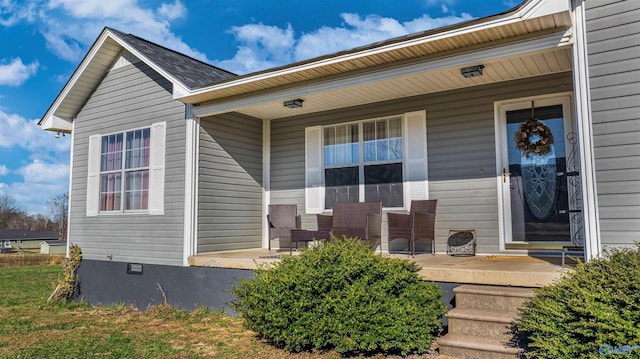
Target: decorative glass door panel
[(536, 191)]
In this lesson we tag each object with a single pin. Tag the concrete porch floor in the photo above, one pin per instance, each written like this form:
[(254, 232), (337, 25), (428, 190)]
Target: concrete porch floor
[(517, 271)]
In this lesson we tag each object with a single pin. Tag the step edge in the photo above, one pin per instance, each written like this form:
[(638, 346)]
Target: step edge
[(506, 317), (476, 343), (517, 292)]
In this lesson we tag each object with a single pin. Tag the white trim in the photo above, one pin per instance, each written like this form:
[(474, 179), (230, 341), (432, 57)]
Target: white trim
[(72, 139), (93, 176), (266, 180), (76, 76), (192, 129), (157, 168), (56, 123), (531, 9), (53, 123), (593, 244), (313, 170), (415, 188), (500, 110), (537, 45)]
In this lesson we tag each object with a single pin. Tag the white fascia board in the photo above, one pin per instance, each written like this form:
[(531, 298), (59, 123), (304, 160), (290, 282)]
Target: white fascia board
[(57, 124), (533, 9), (49, 116), (74, 78), (550, 41)]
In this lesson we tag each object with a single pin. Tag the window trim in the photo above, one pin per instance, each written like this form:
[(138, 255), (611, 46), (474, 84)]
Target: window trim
[(123, 171), (362, 163), (156, 168)]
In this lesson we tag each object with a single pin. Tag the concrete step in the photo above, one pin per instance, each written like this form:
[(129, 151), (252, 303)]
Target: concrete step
[(471, 347), (479, 323), (492, 298)]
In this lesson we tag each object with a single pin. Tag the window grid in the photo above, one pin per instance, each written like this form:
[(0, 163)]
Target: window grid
[(124, 185), (363, 161)]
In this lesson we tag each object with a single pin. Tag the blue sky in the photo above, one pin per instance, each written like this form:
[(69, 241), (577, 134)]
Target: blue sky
[(43, 41)]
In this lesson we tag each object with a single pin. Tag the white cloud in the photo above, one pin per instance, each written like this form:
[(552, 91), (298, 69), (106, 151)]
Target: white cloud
[(39, 172), (263, 46), (70, 26), (46, 173), (41, 181), (172, 11), (13, 12), (24, 133), (15, 72), (449, 3)]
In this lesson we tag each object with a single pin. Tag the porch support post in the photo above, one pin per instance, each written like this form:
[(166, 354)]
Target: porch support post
[(266, 179), (192, 126), (592, 243)]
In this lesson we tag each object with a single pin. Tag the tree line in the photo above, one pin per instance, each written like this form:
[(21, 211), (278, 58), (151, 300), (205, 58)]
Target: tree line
[(13, 217)]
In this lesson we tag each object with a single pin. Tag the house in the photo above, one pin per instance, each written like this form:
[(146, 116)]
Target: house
[(172, 157), (53, 247), (22, 239)]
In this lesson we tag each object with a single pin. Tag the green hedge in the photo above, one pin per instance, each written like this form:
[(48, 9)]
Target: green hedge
[(341, 295), (593, 311)]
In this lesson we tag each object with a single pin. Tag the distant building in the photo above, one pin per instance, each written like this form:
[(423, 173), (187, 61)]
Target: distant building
[(22, 239)]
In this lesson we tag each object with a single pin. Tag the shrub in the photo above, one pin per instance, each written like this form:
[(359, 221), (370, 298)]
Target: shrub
[(591, 311), (342, 296), (68, 286)]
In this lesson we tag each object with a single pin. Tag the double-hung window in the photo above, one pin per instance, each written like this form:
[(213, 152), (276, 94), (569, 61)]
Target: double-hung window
[(363, 162), (382, 159), (124, 171)]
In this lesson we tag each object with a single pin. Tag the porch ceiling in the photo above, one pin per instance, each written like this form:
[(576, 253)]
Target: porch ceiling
[(526, 41), (419, 78)]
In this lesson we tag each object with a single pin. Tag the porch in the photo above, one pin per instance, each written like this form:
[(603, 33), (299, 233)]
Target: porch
[(501, 270)]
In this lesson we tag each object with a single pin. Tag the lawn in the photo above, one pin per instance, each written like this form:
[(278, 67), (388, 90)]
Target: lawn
[(31, 329)]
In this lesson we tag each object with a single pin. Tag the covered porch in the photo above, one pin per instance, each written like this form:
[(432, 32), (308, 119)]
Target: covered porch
[(447, 101)]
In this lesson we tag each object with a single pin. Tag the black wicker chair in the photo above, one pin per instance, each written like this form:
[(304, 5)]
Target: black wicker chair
[(419, 223)]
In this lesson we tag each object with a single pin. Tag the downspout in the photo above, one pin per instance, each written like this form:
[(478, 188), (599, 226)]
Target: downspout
[(192, 126), (592, 240)]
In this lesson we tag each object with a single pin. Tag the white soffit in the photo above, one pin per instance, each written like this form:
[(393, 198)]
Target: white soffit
[(537, 57), (536, 16), (97, 62)]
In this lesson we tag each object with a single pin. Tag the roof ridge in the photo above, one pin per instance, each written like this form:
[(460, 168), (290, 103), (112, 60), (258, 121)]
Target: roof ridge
[(123, 34)]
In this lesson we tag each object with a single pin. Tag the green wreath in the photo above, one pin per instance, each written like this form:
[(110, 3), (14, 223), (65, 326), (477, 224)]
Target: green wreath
[(529, 129)]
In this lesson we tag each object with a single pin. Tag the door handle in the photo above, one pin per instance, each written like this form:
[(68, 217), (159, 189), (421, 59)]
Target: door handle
[(505, 174)]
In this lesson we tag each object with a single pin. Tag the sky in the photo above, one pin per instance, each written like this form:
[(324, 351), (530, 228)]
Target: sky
[(43, 41)]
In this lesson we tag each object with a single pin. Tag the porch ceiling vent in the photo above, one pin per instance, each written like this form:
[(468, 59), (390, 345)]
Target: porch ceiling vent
[(472, 71), (293, 103)]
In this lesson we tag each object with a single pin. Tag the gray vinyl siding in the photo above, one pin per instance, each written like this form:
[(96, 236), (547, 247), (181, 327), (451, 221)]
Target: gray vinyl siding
[(461, 153), (613, 46), (230, 183), (130, 97)]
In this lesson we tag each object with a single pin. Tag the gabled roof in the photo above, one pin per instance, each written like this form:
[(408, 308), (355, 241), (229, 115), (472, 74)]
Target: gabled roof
[(23, 234), (184, 72), (190, 72)]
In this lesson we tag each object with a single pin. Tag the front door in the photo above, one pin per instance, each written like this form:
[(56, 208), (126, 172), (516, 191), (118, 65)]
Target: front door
[(538, 168)]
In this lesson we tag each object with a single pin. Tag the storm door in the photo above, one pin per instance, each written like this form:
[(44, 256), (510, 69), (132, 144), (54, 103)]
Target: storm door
[(539, 172)]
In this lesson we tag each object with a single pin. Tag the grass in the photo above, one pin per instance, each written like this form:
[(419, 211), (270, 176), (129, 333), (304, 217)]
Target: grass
[(31, 329)]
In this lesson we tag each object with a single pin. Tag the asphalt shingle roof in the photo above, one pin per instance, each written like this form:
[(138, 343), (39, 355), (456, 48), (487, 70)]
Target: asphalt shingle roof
[(15, 234), (191, 72)]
